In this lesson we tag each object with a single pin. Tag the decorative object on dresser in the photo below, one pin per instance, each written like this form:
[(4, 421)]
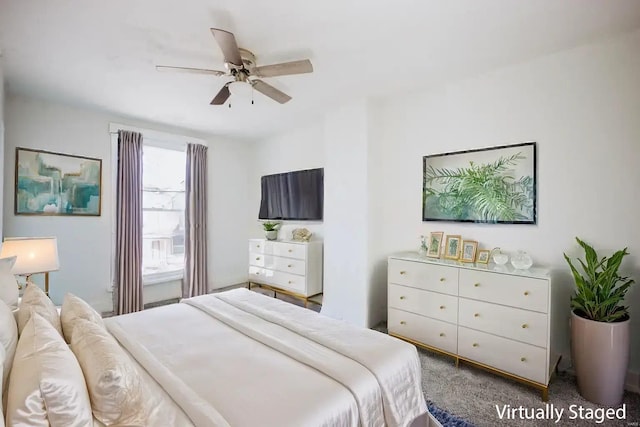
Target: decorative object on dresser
[(469, 248), (435, 242), (521, 260), (424, 248), (483, 256), (499, 321), (57, 184), (499, 257), (495, 185), (301, 235), (34, 255), (291, 268), (600, 326), (452, 247), (271, 229)]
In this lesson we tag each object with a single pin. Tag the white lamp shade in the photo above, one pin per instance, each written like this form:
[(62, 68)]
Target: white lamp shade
[(34, 254)]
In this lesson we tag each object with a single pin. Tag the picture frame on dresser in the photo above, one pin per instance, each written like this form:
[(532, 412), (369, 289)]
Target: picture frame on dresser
[(435, 244), (452, 246), (469, 249), (483, 256)]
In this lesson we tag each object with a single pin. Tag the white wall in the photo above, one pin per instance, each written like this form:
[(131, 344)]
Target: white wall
[(85, 243), (581, 106), (346, 214), (1, 140), (300, 148)]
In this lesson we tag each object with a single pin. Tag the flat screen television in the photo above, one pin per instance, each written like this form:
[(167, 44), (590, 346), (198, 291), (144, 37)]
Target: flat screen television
[(297, 195)]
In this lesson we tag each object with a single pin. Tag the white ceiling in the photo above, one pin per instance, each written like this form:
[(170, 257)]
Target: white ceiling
[(101, 54)]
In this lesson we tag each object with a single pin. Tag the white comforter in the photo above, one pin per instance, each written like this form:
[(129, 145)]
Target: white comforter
[(241, 359)]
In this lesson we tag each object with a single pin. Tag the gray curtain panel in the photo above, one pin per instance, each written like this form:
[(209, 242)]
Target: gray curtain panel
[(195, 277), (128, 287)]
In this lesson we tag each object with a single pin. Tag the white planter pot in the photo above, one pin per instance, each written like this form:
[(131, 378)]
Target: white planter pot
[(600, 353), (271, 235)]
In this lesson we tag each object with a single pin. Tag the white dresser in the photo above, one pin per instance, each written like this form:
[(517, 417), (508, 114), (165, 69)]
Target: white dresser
[(294, 268), (497, 318)]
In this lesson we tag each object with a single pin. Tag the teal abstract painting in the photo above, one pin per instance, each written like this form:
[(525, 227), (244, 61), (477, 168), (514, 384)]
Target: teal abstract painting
[(57, 184)]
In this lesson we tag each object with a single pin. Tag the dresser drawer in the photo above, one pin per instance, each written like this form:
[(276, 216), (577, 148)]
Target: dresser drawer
[(421, 275), (521, 325), (426, 303), (280, 279), (506, 289), (520, 359), (428, 331), (289, 250), (257, 246), (286, 265), (277, 248)]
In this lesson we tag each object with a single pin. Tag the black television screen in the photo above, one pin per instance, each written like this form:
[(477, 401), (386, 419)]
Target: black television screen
[(297, 195)]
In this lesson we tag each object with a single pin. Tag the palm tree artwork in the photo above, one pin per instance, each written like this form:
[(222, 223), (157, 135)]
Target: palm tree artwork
[(502, 190)]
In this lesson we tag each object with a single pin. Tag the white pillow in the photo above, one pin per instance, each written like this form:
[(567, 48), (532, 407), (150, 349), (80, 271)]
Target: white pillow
[(8, 283), (74, 308), (47, 387), (116, 388), (8, 341), (35, 300)]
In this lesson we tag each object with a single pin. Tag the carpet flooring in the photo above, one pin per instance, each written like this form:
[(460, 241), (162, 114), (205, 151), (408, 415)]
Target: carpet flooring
[(472, 394)]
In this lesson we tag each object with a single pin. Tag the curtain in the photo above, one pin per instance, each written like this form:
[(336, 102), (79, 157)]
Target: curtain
[(195, 278), (128, 287)]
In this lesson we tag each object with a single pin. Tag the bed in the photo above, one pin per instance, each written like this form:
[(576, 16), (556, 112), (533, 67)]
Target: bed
[(239, 358)]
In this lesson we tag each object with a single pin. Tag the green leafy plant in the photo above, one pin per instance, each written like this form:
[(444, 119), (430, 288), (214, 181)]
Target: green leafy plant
[(480, 191), (270, 226), (601, 291)]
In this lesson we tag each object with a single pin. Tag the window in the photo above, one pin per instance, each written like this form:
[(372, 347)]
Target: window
[(163, 203)]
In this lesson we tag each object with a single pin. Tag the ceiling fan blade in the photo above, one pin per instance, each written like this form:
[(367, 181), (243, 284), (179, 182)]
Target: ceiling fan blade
[(228, 45), (270, 91), (285, 68), (222, 95), (190, 70)]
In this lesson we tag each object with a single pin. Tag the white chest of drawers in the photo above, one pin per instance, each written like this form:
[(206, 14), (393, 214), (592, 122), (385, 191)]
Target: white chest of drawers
[(293, 267), (497, 320)]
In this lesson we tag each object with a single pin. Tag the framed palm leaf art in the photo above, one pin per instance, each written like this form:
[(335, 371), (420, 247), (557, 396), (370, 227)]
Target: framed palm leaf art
[(488, 185)]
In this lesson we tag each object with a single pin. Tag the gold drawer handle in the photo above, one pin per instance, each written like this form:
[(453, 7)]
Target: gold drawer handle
[(402, 297), (290, 281), (525, 326), (476, 315), (290, 250), (402, 322), (257, 246), (526, 293), (475, 344), (257, 258), (442, 279), (257, 272), (441, 334), (442, 307), (289, 265), (523, 359), (476, 284), (403, 272)]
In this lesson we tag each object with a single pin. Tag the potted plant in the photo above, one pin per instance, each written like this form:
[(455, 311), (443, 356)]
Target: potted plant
[(600, 326), (271, 229)]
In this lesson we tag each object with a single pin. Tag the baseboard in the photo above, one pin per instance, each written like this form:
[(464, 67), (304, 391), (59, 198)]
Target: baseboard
[(633, 382)]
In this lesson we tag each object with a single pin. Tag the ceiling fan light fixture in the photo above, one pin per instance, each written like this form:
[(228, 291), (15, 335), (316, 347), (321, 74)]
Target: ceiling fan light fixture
[(241, 90)]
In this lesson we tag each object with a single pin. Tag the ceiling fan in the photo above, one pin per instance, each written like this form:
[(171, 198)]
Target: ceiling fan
[(240, 65)]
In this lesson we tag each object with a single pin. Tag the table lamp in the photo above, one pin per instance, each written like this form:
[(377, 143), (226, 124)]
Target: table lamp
[(35, 255)]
